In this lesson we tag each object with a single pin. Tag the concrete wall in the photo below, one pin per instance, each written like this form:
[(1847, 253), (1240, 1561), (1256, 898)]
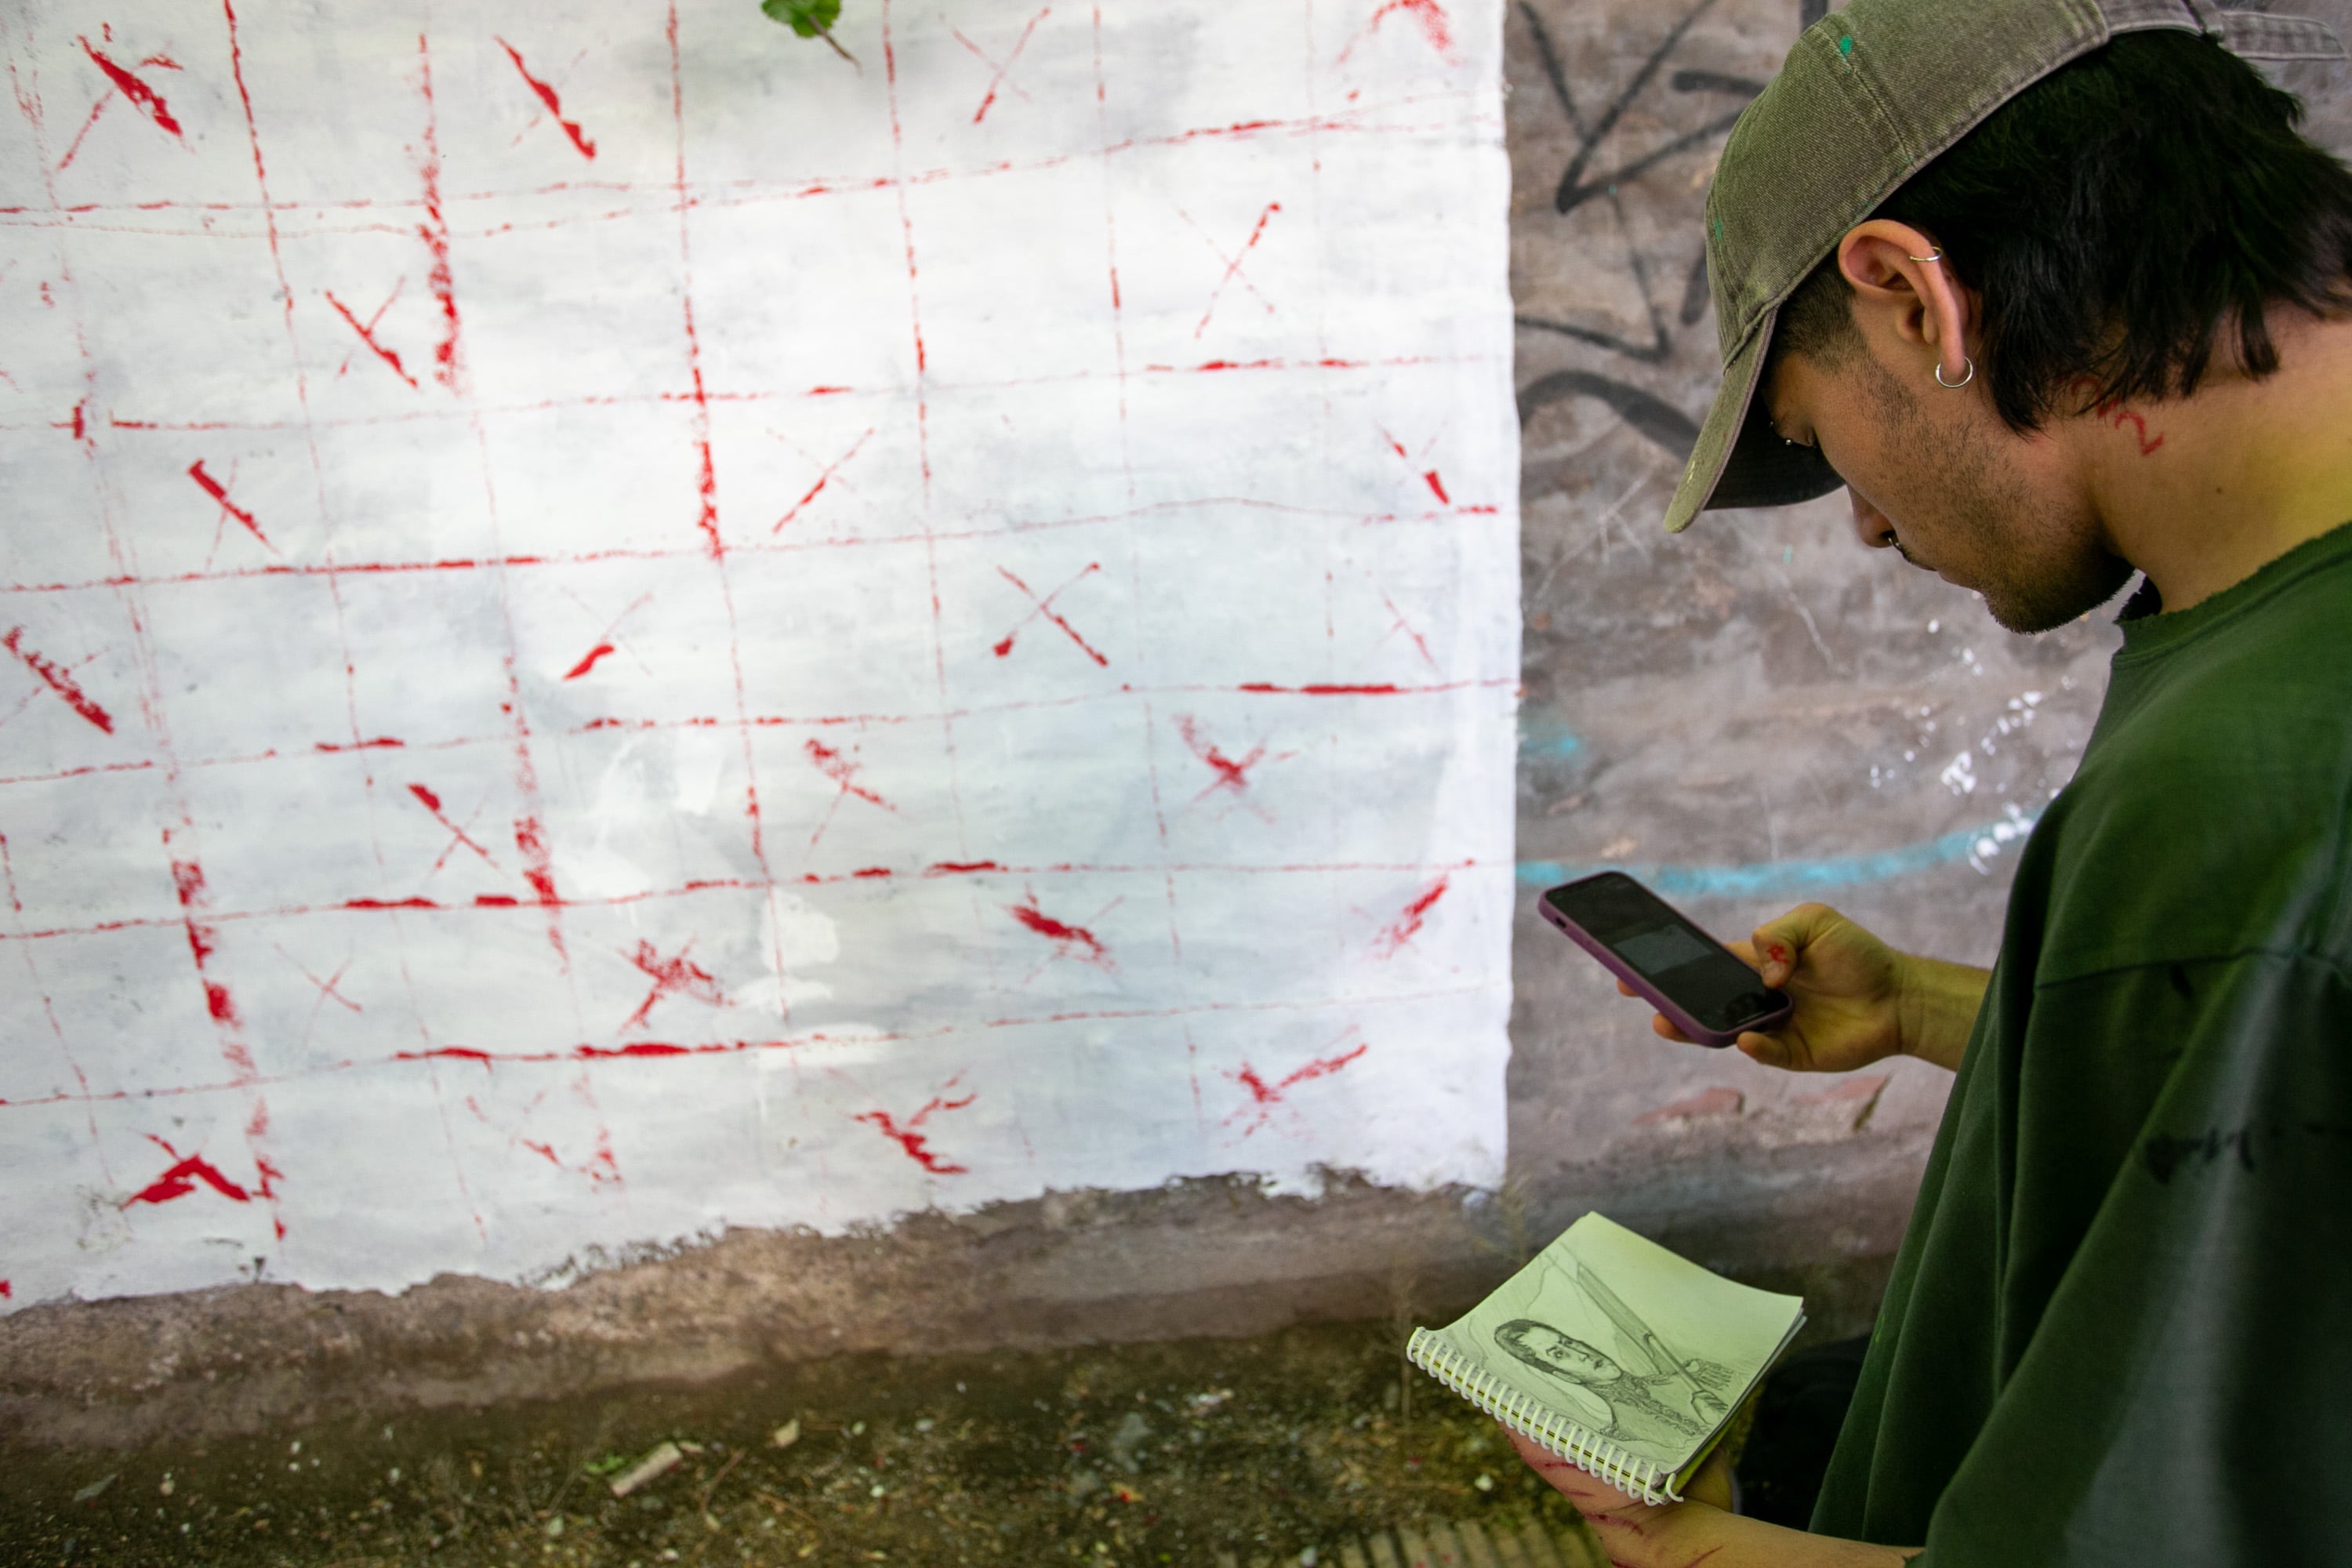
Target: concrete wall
[(1757, 713)]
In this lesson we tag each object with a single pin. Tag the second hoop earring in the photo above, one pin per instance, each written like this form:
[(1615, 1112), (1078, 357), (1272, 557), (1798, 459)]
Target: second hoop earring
[(1956, 385)]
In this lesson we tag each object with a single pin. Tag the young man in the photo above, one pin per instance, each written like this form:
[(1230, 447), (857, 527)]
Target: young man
[(2055, 290)]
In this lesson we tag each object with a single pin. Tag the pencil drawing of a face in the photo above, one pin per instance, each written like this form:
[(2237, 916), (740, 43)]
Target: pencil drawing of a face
[(1546, 1349)]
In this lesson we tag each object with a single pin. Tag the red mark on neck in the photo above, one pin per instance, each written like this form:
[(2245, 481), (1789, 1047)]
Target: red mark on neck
[(913, 1139), (1399, 932), (2118, 415), (547, 96), (148, 101), (56, 678), (181, 1179), (679, 976), (1072, 940)]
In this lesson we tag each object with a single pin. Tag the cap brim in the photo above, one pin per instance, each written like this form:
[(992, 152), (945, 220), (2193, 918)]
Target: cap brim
[(1738, 459)]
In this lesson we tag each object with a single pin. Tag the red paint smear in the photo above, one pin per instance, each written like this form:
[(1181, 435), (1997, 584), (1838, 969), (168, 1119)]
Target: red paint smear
[(1045, 609), (150, 103), (1382, 690), (872, 871), (961, 868), (389, 356), (456, 1053), (390, 904), (58, 680), (496, 900), (915, 1143), (985, 103), (211, 487), (188, 883), (547, 96), (1068, 937), (681, 974), (218, 1003), (381, 744), (181, 1180), (1437, 487), (538, 867), (1428, 13), (589, 663), (434, 232), (77, 425), (5, 1291), (1408, 924), (640, 1048)]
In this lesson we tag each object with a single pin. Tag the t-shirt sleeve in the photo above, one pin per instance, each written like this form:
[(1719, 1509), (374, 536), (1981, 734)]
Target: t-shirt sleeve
[(2186, 1394)]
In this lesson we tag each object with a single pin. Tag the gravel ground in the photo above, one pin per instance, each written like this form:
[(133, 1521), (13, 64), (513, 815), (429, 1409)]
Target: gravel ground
[(1195, 1452)]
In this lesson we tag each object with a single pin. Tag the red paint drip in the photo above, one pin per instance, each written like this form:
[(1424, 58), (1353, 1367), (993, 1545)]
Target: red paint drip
[(150, 102), (56, 678), (1408, 924), (1437, 487), (211, 487), (916, 1142), (589, 663), (547, 96), (434, 232), (388, 356)]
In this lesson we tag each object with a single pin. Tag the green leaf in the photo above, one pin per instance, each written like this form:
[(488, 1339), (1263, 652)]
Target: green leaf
[(809, 19)]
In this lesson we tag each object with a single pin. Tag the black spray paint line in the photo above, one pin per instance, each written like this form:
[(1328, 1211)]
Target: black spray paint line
[(1569, 179), (1649, 414)]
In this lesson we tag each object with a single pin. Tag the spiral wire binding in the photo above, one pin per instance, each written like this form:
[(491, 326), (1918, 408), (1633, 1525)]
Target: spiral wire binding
[(1642, 1478)]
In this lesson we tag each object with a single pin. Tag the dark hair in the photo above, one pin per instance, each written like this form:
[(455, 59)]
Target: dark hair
[(2116, 219)]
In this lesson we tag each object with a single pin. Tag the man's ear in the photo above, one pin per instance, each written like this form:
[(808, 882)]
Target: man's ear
[(1906, 289)]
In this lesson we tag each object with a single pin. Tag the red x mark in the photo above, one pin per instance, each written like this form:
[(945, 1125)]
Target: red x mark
[(910, 1136), (143, 97), (432, 803), (367, 332), (1045, 609), (1398, 934), (1069, 940), (825, 477), (57, 679), (842, 769), (1428, 476), (1401, 625), (1001, 79), (1233, 272), (547, 96), (1264, 1096), (1228, 773), (605, 644), (228, 508), (599, 1166), (681, 974), (327, 990)]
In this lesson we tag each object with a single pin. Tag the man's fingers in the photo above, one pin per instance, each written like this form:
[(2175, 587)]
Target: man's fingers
[(1778, 944), (1625, 990), (1661, 1026), (1765, 1050)]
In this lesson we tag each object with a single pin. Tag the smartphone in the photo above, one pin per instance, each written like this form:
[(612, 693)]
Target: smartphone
[(1684, 972)]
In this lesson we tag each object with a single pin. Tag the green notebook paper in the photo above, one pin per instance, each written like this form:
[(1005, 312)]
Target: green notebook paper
[(1612, 1353)]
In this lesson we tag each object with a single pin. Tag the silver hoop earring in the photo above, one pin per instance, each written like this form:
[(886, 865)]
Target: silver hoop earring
[(1937, 255), (1955, 385)]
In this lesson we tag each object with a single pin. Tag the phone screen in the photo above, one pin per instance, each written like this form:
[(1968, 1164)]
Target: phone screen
[(1675, 956)]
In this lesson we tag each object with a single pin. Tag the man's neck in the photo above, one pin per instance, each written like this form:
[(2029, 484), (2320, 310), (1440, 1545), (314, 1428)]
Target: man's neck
[(2201, 492)]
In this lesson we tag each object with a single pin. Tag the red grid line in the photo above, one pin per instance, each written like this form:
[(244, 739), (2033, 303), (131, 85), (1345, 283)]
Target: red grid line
[(591, 1055)]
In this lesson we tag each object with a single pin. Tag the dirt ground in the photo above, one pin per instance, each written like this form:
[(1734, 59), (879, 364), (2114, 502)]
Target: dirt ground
[(1285, 1449)]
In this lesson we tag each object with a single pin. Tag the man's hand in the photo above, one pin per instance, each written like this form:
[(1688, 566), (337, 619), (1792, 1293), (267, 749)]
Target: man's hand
[(1702, 1528), (1857, 1000)]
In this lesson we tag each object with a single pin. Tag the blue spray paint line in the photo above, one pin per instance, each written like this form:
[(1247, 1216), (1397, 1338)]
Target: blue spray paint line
[(1545, 740), (1782, 878)]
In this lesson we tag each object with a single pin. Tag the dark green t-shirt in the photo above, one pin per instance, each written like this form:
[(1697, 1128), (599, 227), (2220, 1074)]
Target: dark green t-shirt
[(2120, 1327)]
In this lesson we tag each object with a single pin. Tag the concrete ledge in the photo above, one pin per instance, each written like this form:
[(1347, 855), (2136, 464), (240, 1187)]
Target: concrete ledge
[(1208, 1258)]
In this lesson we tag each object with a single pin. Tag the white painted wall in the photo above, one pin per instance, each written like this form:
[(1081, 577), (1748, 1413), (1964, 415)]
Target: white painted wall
[(613, 627)]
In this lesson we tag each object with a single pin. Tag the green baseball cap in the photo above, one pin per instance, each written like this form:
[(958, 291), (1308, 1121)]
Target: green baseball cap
[(1867, 97)]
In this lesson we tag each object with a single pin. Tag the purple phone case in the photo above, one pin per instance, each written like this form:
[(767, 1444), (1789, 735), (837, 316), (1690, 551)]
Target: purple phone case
[(1625, 971)]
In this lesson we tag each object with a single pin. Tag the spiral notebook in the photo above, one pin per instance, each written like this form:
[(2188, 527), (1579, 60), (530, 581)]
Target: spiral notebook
[(1621, 1358)]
